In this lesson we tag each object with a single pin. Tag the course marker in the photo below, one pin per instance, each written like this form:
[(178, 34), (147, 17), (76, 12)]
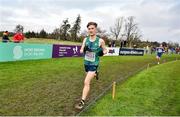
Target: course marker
[(113, 90)]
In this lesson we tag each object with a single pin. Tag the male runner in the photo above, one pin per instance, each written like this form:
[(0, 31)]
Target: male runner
[(92, 47), (160, 51)]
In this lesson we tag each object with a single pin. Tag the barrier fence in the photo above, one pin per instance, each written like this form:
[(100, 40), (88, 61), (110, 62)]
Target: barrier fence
[(23, 51), (27, 51)]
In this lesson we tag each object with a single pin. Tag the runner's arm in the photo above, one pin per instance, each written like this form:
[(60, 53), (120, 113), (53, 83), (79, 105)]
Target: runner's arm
[(103, 46), (83, 45)]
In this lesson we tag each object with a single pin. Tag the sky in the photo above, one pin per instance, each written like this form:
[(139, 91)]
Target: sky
[(158, 20)]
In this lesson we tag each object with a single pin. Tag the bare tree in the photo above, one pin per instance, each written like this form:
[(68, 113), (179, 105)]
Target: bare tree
[(135, 38), (116, 29), (19, 28), (102, 33), (131, 30), (84, 33)]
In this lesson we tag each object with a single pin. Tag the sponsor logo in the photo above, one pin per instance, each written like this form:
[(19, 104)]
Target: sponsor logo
[(17, 52)]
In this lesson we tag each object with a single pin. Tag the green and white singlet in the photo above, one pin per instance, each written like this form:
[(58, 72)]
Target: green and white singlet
[(91, 57)]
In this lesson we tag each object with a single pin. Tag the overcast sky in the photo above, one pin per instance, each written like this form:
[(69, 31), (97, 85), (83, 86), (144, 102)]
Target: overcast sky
[(158, 19)]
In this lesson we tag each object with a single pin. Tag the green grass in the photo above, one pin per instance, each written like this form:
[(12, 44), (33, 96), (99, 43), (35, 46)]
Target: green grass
[(51, 41), (48, 41), (153, 92), (53, 86)]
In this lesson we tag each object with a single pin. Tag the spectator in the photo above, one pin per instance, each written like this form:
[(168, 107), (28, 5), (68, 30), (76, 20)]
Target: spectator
[(5, 37), (121, 43), (113, 43), (18, 37), (166, 50), (109, 44), (177, 50), (172, 50)]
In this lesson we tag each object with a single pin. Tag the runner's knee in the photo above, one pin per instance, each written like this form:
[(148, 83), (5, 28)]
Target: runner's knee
[(86, 83)]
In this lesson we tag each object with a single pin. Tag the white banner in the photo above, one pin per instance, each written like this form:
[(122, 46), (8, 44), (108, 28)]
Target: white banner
[(112, 51)]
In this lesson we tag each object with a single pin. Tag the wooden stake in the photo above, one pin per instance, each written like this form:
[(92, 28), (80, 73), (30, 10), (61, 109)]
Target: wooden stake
[(113, 90), (148, 66)]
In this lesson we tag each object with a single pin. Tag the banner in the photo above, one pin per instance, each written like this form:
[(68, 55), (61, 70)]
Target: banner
[(24, 51), (112, 51), (65, 51), (130, 51)]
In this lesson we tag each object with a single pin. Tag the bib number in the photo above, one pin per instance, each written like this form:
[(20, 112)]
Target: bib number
[(90, 56)]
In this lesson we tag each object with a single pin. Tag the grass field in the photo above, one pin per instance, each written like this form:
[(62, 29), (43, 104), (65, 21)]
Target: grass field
[(153, 92), (51, 41), (53, 86), (47, 41)]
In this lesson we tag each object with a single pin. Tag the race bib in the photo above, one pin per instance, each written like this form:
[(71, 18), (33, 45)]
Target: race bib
[(160, 50), (90, 56)]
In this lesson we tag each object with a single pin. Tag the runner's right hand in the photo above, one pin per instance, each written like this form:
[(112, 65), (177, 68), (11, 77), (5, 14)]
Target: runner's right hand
[(86, 48)]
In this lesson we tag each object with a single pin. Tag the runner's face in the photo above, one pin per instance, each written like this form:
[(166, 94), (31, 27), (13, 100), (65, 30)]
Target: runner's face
[(92, 30)]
